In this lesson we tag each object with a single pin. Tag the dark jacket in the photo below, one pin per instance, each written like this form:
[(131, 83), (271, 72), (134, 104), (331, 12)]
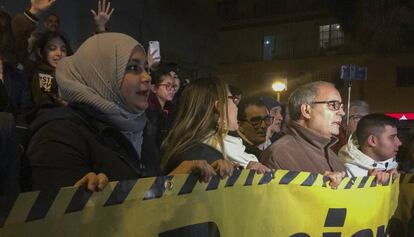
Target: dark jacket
[(69, 142), (160, 119), (43, 85), (23, 25), (199, 151), (302, 150), (17, 89)]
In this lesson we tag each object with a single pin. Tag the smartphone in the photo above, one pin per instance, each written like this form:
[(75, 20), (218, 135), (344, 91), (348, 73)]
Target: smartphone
[(154, 50)]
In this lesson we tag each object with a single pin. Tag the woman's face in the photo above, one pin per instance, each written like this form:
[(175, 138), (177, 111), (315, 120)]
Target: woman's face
[(165, 90), (54, 51), (232, 112), (135, 85)]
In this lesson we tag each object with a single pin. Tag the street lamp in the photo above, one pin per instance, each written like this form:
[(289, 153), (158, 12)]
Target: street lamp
[(278, 86)]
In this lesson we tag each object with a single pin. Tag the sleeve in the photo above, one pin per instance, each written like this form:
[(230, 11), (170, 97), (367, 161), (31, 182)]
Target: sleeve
[(268, 158), (198, 152), (23, 25), (58, 155)]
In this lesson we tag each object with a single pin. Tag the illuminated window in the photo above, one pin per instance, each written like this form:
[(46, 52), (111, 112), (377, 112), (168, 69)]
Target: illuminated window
[(330, 36)]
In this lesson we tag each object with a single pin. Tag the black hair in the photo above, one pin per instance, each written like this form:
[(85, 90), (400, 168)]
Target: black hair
[(373, 124), (156, 76), (45, 38), (235, 91), (52, 14), (244, 103)]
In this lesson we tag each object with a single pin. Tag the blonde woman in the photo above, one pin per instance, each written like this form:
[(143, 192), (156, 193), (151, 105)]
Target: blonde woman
[(208, 111)]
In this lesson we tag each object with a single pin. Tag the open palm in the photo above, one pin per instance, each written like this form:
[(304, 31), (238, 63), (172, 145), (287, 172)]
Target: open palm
[(104, 13)]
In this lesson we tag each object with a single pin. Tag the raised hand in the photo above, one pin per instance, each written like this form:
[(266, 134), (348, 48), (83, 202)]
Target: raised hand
[(103, 15), (39, 6)]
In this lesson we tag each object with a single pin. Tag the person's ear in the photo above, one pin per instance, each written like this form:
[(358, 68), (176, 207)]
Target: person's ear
[(217, 106), (372, 141), (305, 111)]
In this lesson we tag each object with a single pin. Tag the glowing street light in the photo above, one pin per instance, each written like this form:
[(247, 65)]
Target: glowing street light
[(279, 86)]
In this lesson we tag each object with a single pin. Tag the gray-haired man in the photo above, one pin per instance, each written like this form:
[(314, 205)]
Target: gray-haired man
[(316, 113)]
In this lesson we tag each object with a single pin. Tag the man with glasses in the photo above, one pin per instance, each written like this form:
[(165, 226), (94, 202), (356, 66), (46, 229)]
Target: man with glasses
[(275, 110), (253, 123), (316, 112), (357, 110)]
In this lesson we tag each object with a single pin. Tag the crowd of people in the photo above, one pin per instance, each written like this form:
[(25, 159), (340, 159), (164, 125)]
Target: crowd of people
[(109, 111)]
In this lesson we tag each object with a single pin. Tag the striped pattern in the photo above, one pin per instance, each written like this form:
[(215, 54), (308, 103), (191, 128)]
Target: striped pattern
[(37, 205)]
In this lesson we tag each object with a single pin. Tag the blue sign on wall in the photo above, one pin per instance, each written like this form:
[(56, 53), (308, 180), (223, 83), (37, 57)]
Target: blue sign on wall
[(353, 72)]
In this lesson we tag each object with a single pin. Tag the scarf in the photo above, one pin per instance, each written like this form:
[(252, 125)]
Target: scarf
[(93, 76)]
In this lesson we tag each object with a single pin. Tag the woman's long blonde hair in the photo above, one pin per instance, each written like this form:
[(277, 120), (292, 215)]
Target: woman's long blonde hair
[(202, 113)]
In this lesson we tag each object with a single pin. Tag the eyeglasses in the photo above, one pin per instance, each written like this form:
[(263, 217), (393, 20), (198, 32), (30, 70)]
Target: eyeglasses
[(333, 105), (257, 121), (169, 86), (355, 117), (234, 98)]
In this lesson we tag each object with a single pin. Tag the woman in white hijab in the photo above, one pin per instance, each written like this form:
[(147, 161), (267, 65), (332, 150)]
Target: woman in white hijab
[(101, 135)]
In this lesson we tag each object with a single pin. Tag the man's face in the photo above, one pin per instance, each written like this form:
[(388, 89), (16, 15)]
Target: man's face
[(52, 23), (277, 117), (256, 123), (387, 144), (355, 114), (324, 119)]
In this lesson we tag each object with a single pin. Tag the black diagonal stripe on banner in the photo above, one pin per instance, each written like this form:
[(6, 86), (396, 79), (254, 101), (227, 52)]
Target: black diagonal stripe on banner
[(267, 177), (189, 184), (373, 183), (157, 188), (310, 180), (331, 234), (214, 183), (42, 204), (120, 192), (250, 177), (350, 183), (388, 182), (411, 179), (288, 177), (363, 181), (6, 205), (325, 180), (233, 179), (79, 200)]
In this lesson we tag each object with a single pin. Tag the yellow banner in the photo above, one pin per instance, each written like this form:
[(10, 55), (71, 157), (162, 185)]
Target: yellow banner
[(283, 203)]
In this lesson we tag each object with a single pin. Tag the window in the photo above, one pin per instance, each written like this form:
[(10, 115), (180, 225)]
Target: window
[(274, 45), (268, 47), (405, 76), (330, 36), (227, 9)]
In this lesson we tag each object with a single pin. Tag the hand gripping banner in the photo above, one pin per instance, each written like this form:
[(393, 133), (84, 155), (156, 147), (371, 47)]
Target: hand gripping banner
[(284, 203)]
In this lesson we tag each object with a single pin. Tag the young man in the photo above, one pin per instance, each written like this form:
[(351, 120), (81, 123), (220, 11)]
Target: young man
[(373, 147)]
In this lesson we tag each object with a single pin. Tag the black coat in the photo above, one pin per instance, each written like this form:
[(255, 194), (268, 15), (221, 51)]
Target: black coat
[(69, 142), (199, 151)]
